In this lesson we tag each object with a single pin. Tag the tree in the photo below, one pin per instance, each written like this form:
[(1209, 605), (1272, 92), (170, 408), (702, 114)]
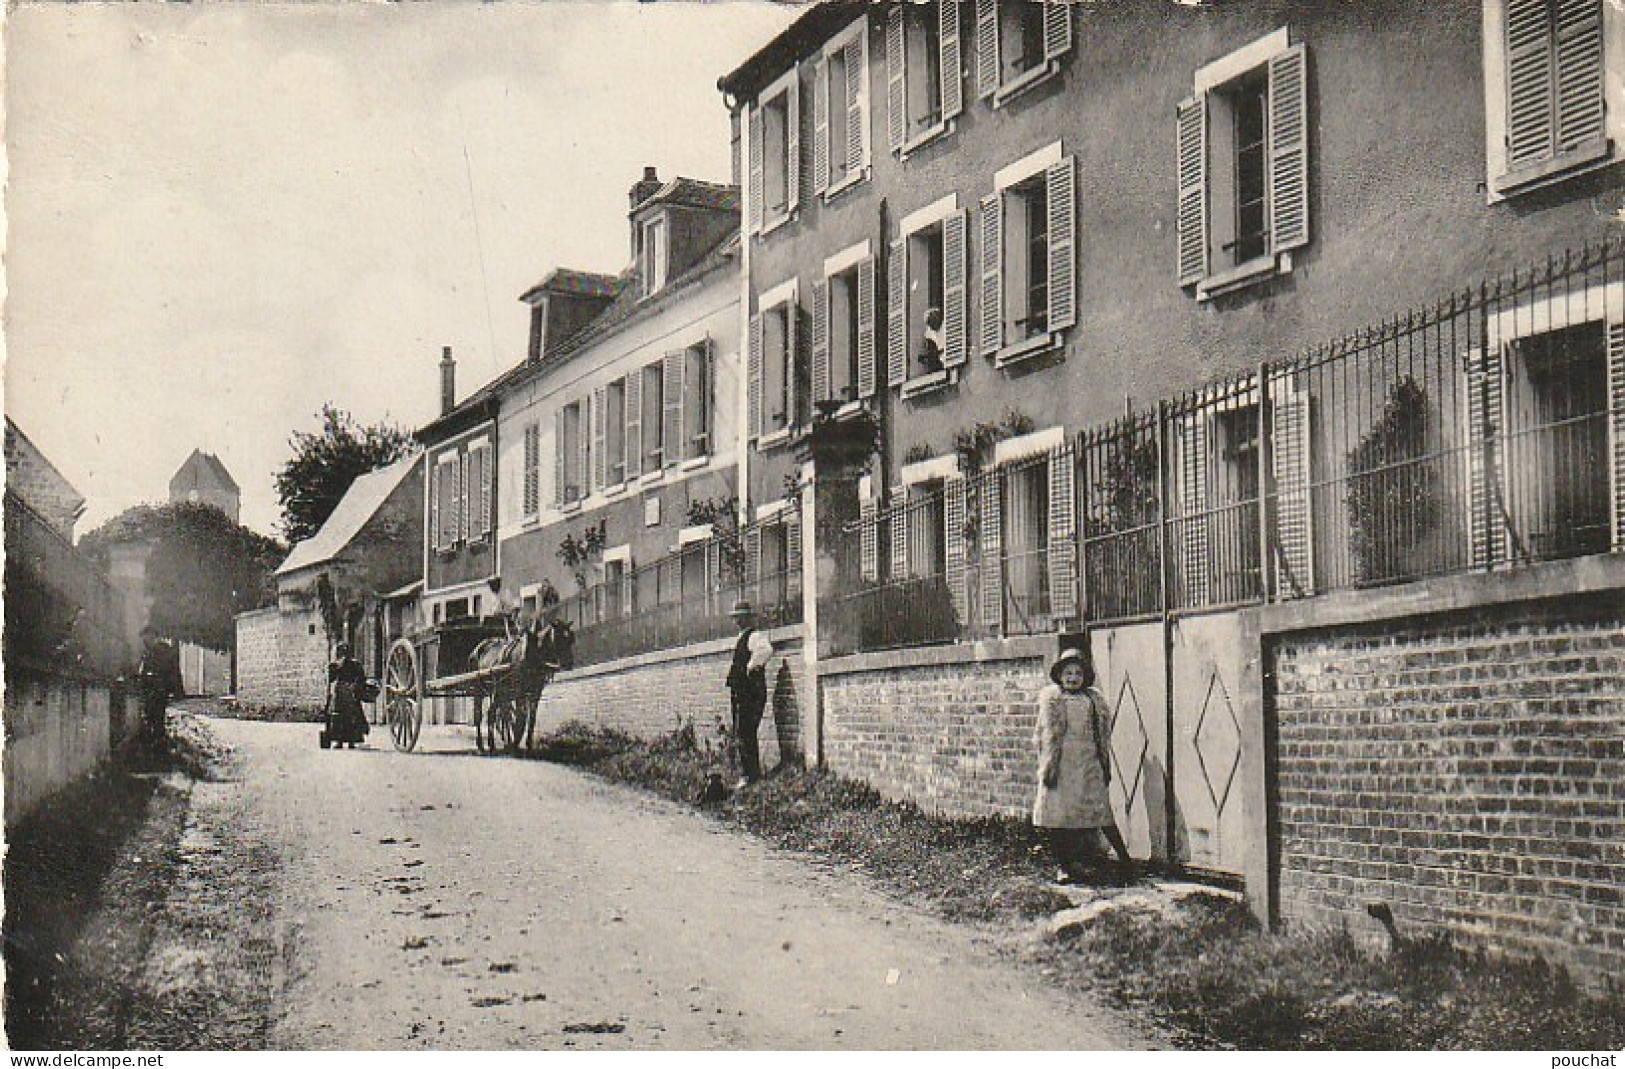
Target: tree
[(203, 569), (325, 463)]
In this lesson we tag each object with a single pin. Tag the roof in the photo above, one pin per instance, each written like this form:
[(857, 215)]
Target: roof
[(216, 468), (569, 280), (364, 498), (811, 29), (691, 192)]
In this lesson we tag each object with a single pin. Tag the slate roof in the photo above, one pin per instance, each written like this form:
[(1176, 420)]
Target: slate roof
[(569, 280), (714, 196), (364, 498), (216, 468)]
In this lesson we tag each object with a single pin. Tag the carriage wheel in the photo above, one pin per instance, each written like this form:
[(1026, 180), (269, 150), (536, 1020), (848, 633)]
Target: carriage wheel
[(504, 721), (403, 694)]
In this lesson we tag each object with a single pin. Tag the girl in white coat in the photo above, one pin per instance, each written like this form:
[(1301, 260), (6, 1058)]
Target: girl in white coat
[(1074, 766)]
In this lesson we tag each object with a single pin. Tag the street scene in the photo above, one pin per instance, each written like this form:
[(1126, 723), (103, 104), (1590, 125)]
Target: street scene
[(933, 525)]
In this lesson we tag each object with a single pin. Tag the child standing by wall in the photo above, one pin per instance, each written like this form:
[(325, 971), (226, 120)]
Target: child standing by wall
[(1074, 767)]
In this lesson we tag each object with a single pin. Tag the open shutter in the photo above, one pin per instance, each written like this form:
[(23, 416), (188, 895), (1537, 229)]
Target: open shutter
[(1294, 515), (955, 279), (1192, 518), (898, 533), (671, 393), (992, 333), (869, 539), (991, 501), (897, 315), (558, 457), (459, 512), (753, 385), (532, 493), (951, 71), (1487, 530), (866, 327), (753, 557), (857, 130), (583, 448), (821, 146), (792, 153), (1063, 535), (1289, 150), (633, 449), (1577, 73), (792, 543), (754, 132), (1060, 188), (600, 455), (896, 79), (820, 340), (987, 47), (486, 480), (436, 489), (795, 325), (953, 543), (1057, 30), (1191, 123), (1616, 417)]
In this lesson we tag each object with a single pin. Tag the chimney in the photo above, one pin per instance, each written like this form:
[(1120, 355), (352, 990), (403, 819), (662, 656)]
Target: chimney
[(645, 187), (448, 381)]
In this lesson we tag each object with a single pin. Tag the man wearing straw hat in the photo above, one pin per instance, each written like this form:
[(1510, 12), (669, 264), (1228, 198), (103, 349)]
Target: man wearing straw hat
[(747, 681)]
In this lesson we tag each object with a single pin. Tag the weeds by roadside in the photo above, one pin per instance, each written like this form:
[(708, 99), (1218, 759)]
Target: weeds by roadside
[(1199, 965)]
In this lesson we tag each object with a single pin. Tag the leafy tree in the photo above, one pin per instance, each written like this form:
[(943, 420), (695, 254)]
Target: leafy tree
[(325, 463), (1394, 497), (204, 569)]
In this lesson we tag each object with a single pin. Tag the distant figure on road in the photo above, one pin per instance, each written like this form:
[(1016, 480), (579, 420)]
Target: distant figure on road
[(747, 680), (158, 679), (346, 721), (1074, 767)]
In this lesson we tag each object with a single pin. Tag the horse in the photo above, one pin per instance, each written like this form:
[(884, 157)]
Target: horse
[(530, 658)]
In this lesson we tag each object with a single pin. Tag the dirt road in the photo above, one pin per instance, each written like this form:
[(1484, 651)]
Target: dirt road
[(443, 900)]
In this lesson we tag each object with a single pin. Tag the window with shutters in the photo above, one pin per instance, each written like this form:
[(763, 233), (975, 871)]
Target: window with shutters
[(1019, 45), (651, 421), (1243, 167), (841, 111), (1551, 111), (925, 526), (477, 496), (572, 453), (614, 422), (652, 255), (924, 72), (929, 275), (843, 335), (844, 329), (778, 400), (699, 400), (775, 164), (1217, 488), (447, 470), (1029, 271), (1026, 546)]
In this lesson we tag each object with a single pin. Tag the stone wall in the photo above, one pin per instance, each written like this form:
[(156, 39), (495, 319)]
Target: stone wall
[(282, 659), (57, 730)]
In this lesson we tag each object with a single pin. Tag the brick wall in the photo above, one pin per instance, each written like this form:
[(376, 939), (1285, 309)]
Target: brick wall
[(1469, 772), (955, 738)]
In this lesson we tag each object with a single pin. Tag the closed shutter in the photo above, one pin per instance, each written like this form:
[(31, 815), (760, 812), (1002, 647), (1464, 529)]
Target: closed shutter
[(671, 391), (754, 131), (990, 494), (1195, 465), (896, 79), (1487, 530), (987, 47), (869, 539), (753, 383), (820, 340), (1578, 73), (792, 542), (633, 450), (953, 542), (1057, 29), (992, 332), (533, 469), (1061, 208), (1616, 416), (1191, 123), (600, 455), (1529, 81), (857, 130), (436, 489), (897, 315), (792, 152), (1555, 96), (1289, 150), (821, 152), (956, 274), (866, 327), (1294, 515), (558, 457), (1063, 535), (952, 71), (898, 533)]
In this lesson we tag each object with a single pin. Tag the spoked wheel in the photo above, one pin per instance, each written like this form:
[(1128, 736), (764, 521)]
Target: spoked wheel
[(403, 697)]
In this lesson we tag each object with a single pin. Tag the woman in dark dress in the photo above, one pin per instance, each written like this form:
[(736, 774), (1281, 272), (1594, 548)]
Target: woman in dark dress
[(346, 722)]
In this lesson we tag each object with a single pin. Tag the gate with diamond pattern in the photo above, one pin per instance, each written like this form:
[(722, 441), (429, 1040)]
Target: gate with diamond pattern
[(1178, 802)]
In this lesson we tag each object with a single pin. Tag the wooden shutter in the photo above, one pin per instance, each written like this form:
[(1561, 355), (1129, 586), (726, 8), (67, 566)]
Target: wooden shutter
[(583, 447), (1289, 149), (953, 544), (1063, 534), (671, 396), (792, 542), (987, 47), (821, 147), (754, 131), (1294, 514), (897, 314), (955, 280), (792, 151), (558, 457), (1554, 62), (459, 512), (896, 79), (1196, 460), (1486, 418), (898, 533), (1060, 189), (633, 449), (1578, 73), (600, 455), (1616, 417), (866, 327), (869, 539), (857, 130), (1530, 105), (951, 72), (436, 490), (753, 379), (486, 473), (753, 557), (991, 501), (992, 332), (1191, 123), (820, 340), (533, 474), (794, 325), (1057, 29)]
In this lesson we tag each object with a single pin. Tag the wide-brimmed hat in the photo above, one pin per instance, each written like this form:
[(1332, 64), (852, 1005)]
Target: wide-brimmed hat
[(742, 608), (1071, 656)]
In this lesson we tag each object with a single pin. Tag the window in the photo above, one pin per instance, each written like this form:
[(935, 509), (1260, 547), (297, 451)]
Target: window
[(843, 331), (652, 257), (609, 434), (1216, 512), (1018, 45), (699, 405), (923, 72), (1547, 99), (1027, 534), (924, 526), (774, 395), (533, 469), (775, 151), (1026, 546), (927, 280), (476, 498), (841, 111), (571, 457), (457, 609), (1029, 280), (443, 506), (651, 422), (618, 596), (1243, 167)]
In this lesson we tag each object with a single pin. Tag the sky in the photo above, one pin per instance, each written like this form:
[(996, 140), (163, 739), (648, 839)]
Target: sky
[(221, 216)]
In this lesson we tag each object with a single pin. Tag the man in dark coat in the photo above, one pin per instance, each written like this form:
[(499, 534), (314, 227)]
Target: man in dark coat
[(747, 682), (158, 679)]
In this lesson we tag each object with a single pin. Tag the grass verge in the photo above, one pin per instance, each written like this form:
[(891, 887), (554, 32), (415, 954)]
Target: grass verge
[(1199, 966)]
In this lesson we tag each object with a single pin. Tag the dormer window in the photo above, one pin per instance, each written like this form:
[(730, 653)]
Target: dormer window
[(652, 255)]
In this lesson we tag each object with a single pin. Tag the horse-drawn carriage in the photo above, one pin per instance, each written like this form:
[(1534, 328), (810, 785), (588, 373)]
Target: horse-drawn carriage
[(492, 660)]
